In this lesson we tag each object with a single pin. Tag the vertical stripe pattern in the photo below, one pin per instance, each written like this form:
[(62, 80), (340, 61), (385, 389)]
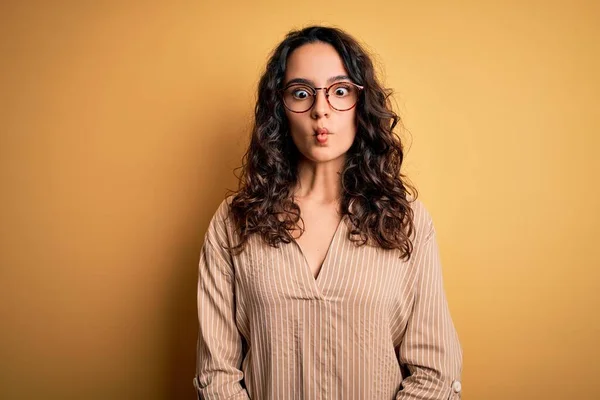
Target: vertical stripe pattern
[(370, 326)]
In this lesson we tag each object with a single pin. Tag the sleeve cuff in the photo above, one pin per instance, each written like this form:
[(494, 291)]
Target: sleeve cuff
[(456, 387), (197, 387)]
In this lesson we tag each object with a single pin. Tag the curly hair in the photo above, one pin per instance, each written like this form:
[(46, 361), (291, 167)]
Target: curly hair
[(376, 195)]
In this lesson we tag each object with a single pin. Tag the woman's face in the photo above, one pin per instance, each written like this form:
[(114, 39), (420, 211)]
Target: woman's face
[(319, 65)]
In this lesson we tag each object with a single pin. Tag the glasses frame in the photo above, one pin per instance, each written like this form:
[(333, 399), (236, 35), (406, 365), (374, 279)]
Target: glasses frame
[(316, 92)]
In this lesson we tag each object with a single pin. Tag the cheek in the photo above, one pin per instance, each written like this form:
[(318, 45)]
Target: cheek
[(296, 122), (297, 130), (350, 124)]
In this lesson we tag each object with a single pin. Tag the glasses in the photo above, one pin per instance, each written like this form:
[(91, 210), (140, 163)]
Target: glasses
[(341, 96)]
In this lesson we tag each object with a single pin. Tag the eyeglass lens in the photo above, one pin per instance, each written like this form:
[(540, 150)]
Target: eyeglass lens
[(300, 97)]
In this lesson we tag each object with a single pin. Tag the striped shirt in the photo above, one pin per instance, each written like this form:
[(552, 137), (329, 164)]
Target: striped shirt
[(370, 326)]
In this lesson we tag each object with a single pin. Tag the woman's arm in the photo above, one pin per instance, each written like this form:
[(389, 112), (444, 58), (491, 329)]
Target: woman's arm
[(430, 349), (219, 351)]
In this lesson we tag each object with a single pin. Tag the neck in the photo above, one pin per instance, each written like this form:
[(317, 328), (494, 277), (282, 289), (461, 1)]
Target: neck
[(319, 182)]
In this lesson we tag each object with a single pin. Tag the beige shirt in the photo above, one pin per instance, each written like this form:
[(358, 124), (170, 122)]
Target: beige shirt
[(370, 326)]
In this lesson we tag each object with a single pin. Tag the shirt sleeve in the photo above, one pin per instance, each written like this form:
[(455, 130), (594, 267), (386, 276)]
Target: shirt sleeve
[(219, 347), (430, 349)]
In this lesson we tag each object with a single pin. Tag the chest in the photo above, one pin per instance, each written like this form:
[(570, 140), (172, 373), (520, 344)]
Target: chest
[(275, 278), (320, 227), (320, 263)]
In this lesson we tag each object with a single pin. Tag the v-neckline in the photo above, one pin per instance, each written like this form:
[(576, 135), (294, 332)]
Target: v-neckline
[(322, 270)]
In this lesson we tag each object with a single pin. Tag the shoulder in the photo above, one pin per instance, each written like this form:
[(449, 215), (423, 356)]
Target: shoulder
[(221, 213), (422, 220), (220, 220)]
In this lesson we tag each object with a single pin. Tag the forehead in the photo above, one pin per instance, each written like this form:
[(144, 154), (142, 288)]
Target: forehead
[(314, 61)]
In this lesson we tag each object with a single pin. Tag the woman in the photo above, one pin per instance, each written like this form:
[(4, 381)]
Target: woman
[(320, 278)]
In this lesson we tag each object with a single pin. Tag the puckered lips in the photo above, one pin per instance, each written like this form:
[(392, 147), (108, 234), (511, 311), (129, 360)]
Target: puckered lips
[(321, 135)]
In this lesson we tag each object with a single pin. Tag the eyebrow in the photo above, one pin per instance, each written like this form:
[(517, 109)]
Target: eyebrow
[(311, 83)]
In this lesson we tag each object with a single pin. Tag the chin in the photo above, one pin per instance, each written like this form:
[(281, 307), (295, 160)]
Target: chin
[(324, 156)]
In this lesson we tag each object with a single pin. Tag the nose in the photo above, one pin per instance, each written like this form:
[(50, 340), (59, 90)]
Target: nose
[(321, 107)]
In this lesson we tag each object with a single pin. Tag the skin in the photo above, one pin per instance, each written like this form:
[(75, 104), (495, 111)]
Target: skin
[(320, 165)]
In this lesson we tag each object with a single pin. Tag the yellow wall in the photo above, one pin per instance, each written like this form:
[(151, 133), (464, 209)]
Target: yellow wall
[(122, 121)]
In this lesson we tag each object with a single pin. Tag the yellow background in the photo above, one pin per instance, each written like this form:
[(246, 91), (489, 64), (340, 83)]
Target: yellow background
[(121, 123)]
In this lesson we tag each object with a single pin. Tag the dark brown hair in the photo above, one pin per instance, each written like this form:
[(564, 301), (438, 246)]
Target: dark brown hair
[(375, 193)]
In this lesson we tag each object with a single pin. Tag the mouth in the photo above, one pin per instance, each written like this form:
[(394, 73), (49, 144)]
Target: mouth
[(321, 135)]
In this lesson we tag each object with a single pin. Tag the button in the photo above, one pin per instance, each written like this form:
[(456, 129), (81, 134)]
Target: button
[(456, 386)]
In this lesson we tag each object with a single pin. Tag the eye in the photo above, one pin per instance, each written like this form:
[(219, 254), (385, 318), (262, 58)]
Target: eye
[(342, 90), (300, 94)]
